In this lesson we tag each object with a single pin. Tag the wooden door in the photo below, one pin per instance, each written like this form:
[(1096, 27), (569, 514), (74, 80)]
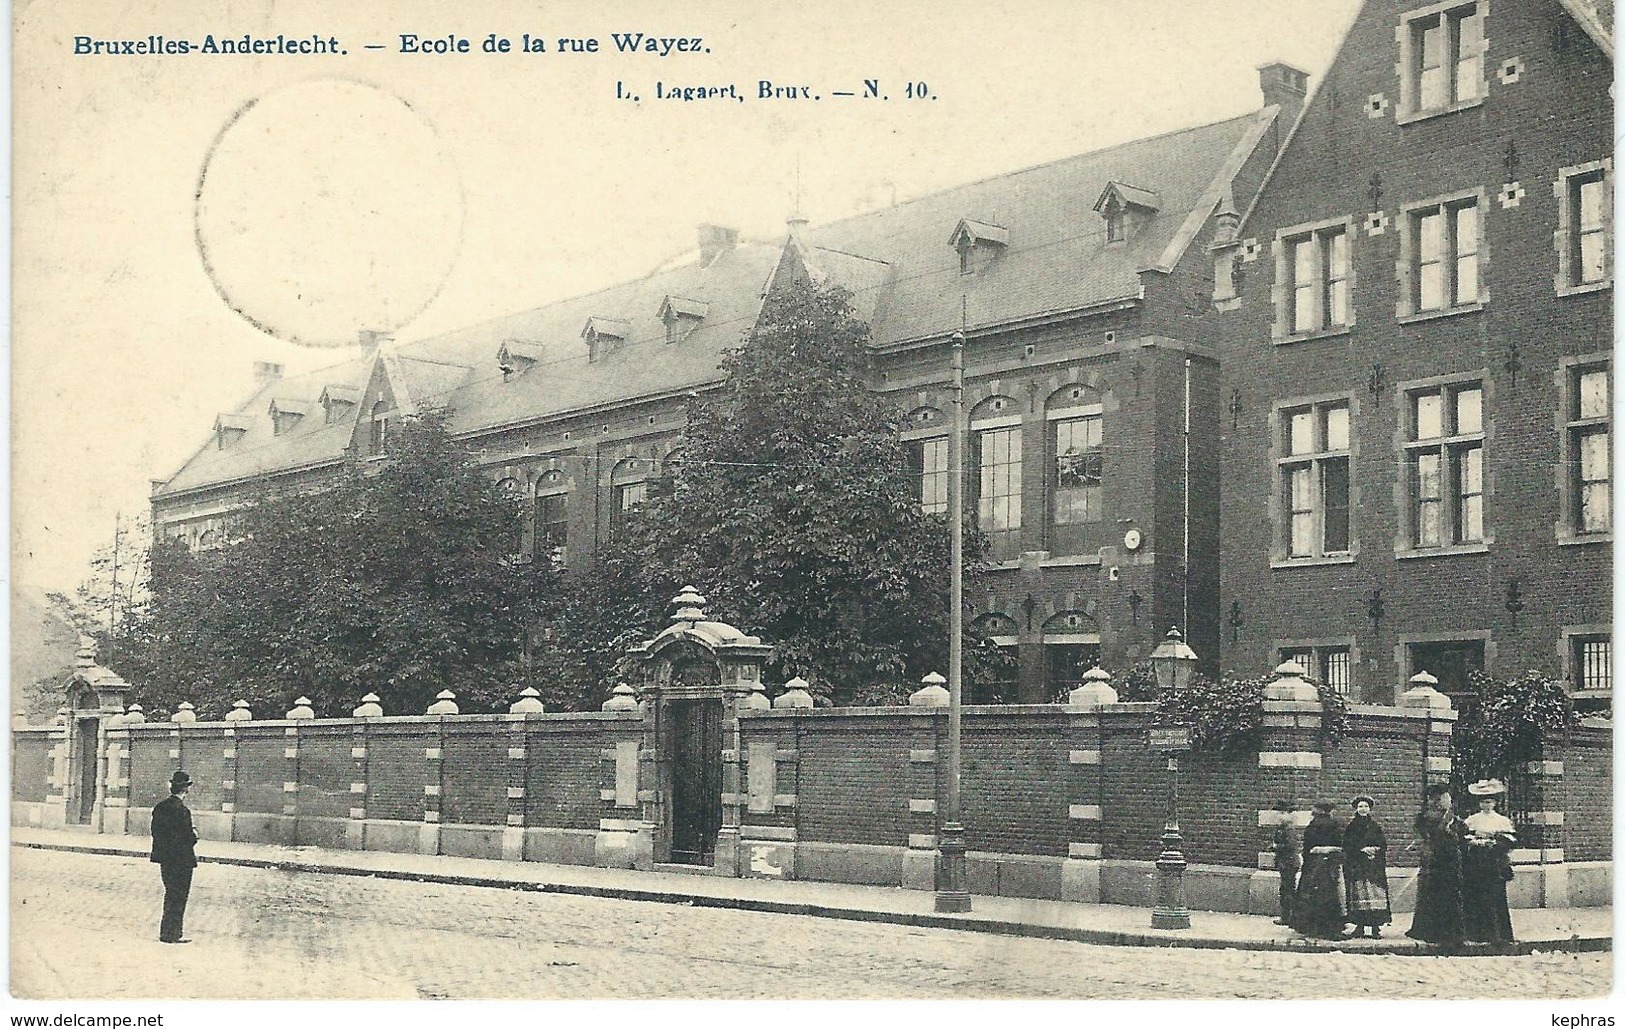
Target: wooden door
[(695, 735)]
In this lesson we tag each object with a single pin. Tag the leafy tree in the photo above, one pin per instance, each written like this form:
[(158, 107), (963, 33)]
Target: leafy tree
[(1508, 725), (110, 605), (396, 577), (794, 509)]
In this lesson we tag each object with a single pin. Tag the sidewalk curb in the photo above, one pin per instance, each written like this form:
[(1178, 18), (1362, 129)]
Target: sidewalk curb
[(963, 923)]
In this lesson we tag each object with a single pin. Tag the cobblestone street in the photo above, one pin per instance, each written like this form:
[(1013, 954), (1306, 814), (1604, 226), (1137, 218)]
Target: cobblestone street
[(84, 926)]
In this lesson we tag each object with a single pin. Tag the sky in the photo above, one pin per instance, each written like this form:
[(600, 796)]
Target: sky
[(179, 217)]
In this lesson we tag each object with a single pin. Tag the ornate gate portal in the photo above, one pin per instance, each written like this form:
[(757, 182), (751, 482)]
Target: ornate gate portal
[(697, 674)]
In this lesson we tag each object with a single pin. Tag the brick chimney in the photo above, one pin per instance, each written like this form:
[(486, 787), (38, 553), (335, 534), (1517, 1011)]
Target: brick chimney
[(1285, 86), (370, 338), (265, 373), (716, 240)]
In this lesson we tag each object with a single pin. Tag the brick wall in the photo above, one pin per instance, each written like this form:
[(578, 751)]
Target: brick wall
[(262, 768), (397, 771), (474, 788), (30, 765), (1554, 111), (150, 768), (325, 771), (203, 757), (1013, 783), (1588, 777), (854, 778), (563, 778)]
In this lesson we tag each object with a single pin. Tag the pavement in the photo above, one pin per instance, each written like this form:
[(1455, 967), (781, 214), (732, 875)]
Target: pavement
[(1538, 930)]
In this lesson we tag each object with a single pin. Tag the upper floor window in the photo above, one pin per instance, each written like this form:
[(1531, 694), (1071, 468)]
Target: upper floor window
[(1444, 458), (928, 460), (1315, 479), (1585, 227), (552, 515), (629, 488), (996, 450), (1442, 59), (378, 429), (1077, 469), (1442, 251), (1589, 424), (1320, 280)]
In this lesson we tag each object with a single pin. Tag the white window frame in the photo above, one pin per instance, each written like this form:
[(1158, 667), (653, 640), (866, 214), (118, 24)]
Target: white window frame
[(1570, 428), (1407, 34), (1409, 305), (1320, 650), (1446, 447), (1316, 459), (1314, 234), (1566, 237)]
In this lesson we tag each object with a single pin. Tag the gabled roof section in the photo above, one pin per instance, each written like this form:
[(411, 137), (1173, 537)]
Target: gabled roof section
[(1058, 262), (974, 232), (1597, 18), (517, 356), (259, 450), (289, 405), (682, 307), (611, 328), (339, 393), (730, 286), (1128, 196)]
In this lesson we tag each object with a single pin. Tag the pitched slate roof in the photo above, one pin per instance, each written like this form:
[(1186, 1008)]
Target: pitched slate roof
[(904, 277), (1057, 259), (260, 450)]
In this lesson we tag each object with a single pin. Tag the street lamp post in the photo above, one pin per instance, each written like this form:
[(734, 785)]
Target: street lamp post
[(951, 893), (1174, 663)]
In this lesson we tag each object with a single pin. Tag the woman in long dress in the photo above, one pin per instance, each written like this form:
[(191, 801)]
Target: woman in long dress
[(1485, 868), (1438, 886), (1318, 908), (1365, 869)]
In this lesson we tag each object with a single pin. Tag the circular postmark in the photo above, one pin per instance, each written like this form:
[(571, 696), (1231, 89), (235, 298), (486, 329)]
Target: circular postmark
[(326, 208)]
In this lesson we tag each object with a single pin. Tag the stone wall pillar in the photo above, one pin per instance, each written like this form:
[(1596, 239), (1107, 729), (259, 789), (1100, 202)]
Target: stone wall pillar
[(1290, 767), (925, 738), (116, 797), (1540, 840)]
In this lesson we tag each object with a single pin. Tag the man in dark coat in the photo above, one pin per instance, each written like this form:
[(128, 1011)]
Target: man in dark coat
[(173, 851)]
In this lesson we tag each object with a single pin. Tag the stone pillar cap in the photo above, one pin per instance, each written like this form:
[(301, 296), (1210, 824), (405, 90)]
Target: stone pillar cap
[(932, 694), (529, 702), (621, 698)]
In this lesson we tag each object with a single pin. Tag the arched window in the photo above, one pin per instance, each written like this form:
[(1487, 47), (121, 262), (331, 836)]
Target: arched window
[(378, 435), (996, 672), (1075, 437), (995, 436), (925, 436), (629, 487), (552, 515), (521, 538), (1071, 647)]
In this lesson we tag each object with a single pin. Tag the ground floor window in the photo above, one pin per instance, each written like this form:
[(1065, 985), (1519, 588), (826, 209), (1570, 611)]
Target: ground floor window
[(1452, 662), (1332, 665), (1064, 665)]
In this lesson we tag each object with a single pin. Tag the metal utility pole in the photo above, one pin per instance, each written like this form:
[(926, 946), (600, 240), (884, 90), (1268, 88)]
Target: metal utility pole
[(951, 894)]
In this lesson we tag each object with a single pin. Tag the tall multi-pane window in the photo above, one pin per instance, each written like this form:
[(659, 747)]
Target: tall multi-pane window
[(1318, 263), (1444, 456), (1077, 470), (1585, 227), (1443, 240), (928, 460), (1590, 442), (629, 487), (1315, 479), (1444, 58), (552, 516), (998, 495), (378, 435)]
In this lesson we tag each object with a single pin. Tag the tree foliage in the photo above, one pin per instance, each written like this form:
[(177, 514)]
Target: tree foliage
[(1509, 724), (795, 510), (396, 577)]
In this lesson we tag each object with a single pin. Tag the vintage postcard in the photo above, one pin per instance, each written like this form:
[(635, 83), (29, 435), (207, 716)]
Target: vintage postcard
[(1099, 501)]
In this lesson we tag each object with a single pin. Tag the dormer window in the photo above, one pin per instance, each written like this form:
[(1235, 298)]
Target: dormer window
[(978, 244), (286, 414), (1124, 208), (680, 316), (604, 336), (516, 358), (378, 428), (338, 402), (228, 429)]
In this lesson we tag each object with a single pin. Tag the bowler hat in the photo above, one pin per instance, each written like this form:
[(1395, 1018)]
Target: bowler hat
[(179, 781)]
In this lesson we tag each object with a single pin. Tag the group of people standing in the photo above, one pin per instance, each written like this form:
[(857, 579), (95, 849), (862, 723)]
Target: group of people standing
[(1336, 886)]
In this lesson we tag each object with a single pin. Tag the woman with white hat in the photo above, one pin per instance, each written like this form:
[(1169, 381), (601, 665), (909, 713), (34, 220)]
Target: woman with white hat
[(1485, 868)]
